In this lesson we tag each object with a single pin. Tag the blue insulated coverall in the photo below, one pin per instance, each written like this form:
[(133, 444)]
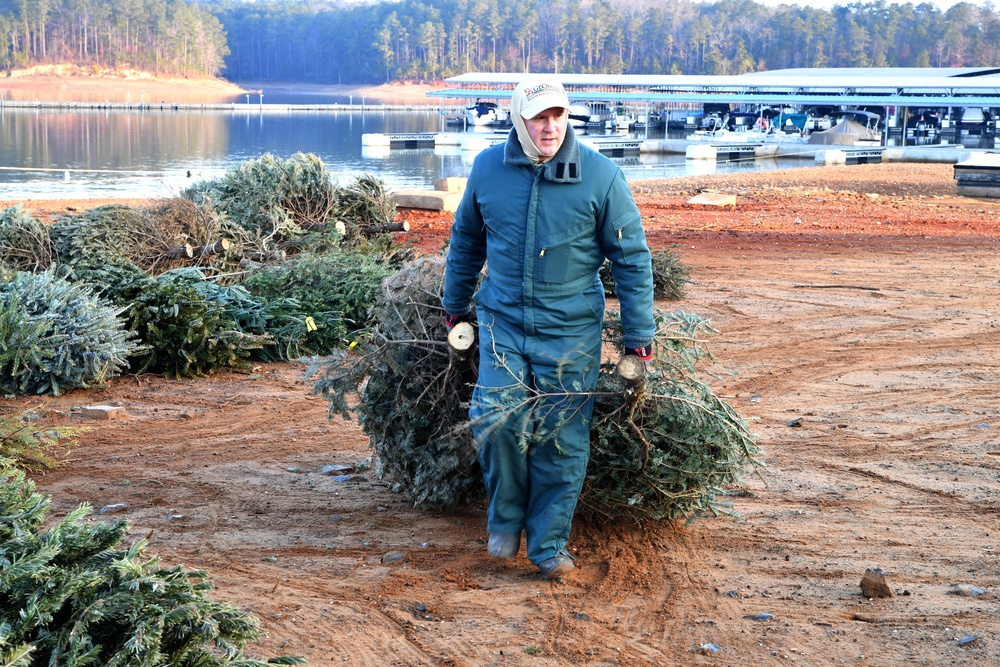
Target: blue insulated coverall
[(543, 233)]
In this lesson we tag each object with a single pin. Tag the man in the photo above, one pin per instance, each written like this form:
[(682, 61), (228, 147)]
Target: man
[(542, 212)]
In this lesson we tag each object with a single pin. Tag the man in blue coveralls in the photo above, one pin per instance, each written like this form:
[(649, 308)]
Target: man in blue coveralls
[(542, 212)]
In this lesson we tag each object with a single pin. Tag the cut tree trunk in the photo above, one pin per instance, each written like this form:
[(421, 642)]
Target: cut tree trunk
[(461, 340), (218, 247), (402, 226), (180, 251), (632, 371)]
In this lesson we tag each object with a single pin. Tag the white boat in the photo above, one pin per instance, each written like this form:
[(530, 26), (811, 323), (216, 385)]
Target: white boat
[(818, 123), (620, 122), (593, 114), (579, 114), (718, 133), (484, 113)]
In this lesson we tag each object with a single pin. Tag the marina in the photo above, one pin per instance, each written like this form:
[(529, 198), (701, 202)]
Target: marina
[(657, 127), (904, 103)]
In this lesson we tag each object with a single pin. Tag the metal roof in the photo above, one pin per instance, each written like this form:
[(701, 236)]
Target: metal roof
[(898, 86)]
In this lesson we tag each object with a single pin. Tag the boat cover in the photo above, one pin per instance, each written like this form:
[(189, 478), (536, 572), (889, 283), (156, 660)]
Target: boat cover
[(844, 133)]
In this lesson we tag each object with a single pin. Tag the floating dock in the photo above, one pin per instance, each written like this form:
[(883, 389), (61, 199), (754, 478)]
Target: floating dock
[(979, 176), (699, 150), (471, 142)]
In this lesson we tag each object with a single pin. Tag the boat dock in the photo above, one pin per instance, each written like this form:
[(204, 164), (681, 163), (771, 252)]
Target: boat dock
[(472, 142)]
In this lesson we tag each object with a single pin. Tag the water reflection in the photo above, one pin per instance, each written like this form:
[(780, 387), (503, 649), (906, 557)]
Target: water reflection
[(64, 153)]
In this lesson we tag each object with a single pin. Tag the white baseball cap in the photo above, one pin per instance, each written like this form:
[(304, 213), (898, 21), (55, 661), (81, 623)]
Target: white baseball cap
[(538, 94)]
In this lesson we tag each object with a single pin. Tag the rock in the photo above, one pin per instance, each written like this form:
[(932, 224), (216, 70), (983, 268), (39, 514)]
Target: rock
[(967, 590), (117, 507), (335, 469), (873, 584), (764, 616), (713, 199), (431, 200), (103, 412), (394, 557)]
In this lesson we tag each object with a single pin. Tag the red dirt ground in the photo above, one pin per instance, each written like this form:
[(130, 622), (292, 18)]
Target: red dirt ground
[(857, 316)]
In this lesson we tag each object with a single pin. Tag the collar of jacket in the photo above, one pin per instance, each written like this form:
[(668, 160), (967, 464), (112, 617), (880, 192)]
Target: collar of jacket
[(563, 167)]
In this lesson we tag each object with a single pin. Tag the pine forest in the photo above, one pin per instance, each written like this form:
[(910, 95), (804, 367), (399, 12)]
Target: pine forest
[(323, 41)]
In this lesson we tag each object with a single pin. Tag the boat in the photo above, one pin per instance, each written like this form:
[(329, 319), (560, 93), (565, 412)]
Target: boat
[(719, 133), (579, 114), (620, 122), (485, 113), (818, 123), (791, 123), (849, 132), (973, 120)]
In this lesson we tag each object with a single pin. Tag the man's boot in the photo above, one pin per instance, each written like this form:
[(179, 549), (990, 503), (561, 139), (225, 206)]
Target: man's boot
[(554, 568), (503, 545)]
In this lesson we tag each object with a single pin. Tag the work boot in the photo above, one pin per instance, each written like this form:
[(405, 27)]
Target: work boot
[(553, 568), (503, 545)]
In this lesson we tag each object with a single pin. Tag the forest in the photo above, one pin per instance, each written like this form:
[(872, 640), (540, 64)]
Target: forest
[(324, 41), (161, 36)]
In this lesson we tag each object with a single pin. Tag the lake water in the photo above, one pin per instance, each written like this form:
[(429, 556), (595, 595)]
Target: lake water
[(157, 152)]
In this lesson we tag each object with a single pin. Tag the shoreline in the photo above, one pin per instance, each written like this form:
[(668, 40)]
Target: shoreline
[(905, 182), (69, 83)]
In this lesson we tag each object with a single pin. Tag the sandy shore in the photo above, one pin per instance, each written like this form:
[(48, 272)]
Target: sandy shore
[(67, 82)]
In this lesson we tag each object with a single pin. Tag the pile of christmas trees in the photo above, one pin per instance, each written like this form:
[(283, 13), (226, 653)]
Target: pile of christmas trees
[(271, 261)]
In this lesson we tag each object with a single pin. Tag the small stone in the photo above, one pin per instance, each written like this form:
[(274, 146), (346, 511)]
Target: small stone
[(580, 616), (394, 557), (795, 423), (873, 584), (764, 616), (421, 607), (967, 590), (335, 469), (713, 199), (117, 507)]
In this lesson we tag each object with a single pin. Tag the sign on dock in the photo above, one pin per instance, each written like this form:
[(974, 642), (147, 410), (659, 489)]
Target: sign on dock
[(863, 154), (616, 148), (406, 140)]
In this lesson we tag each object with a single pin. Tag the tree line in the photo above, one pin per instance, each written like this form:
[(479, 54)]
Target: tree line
[(333, 41), (161, 36)]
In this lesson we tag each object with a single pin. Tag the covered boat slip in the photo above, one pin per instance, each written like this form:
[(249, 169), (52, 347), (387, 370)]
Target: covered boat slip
[(900, 94)]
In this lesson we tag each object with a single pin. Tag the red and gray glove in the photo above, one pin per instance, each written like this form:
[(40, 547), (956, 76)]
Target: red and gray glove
[(644, 352), (451, 320)]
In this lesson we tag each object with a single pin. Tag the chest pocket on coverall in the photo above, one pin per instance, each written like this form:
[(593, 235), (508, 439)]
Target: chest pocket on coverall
[(567, 254)]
